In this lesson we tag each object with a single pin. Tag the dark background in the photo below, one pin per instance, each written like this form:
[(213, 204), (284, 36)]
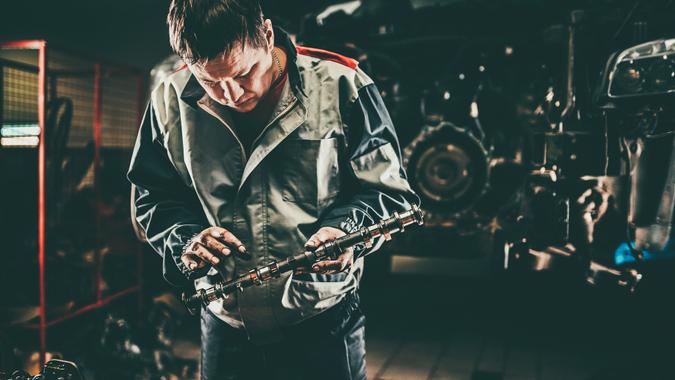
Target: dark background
[(135, 33), (131, 31), (610, 333)]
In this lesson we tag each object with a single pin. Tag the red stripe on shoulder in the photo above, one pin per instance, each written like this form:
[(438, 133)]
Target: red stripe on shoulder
[(181, 68), (328, 56)]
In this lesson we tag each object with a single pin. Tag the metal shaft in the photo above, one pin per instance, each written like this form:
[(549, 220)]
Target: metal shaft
[(330, 250)]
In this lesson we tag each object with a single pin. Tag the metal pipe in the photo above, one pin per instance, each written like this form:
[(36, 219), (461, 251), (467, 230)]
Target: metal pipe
[(570, 101)]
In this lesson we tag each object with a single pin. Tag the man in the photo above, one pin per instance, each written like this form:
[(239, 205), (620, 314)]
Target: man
[(256, 151)]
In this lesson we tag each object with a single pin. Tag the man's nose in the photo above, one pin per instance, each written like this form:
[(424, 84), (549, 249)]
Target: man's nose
[(231, 90)]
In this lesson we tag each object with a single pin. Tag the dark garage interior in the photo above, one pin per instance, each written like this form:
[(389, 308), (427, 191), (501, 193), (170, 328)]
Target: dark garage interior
[(537, 136)]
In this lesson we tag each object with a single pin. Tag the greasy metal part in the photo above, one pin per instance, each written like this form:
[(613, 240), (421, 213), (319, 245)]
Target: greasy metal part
[(567, 258), (537, 260), (602, 275), (449, 169), (331, 250)]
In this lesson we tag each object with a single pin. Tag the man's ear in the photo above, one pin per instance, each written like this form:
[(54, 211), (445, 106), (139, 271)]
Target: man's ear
[(269, 34)]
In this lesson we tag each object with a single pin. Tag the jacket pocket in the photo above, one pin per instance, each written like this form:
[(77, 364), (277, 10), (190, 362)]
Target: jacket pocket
[(308, 171), (318, 293)]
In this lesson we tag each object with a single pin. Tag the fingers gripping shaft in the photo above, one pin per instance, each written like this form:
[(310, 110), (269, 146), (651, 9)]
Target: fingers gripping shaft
[(330, 250)]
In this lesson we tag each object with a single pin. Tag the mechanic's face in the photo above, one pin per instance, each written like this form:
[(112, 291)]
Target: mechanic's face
[(240, 78)]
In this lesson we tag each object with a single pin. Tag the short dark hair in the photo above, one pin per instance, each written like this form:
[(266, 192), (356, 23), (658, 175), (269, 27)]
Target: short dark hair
[(203, 29)]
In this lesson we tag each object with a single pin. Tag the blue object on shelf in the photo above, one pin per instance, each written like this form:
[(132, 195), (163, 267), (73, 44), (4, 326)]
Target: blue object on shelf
[(623, 255)]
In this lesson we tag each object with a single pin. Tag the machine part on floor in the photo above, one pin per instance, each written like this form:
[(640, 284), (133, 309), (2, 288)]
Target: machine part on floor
[(604, 276), (164, 317), (519, 255), (55, 369), (18, 375), (331, 250), (116, 339), (126, 350)]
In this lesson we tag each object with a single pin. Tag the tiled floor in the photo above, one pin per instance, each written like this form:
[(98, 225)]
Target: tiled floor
[(444, 329), (462, 329), (468, 356)]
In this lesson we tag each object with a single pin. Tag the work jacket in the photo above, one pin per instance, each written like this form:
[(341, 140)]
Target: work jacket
[(329, 156)]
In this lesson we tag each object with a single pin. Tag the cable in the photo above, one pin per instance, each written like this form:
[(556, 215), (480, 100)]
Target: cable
[(606, 135), (626, 20)]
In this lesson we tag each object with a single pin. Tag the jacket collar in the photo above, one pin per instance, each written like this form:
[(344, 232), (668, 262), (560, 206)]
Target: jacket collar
[(193, 91)]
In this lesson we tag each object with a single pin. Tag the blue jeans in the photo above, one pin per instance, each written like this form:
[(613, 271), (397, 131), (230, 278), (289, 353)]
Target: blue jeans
[(329, 346)]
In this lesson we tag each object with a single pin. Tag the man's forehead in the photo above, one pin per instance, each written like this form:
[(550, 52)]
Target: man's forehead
[(237, 58)]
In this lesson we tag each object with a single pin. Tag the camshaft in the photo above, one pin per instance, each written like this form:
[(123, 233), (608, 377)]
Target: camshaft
[(330, 250)]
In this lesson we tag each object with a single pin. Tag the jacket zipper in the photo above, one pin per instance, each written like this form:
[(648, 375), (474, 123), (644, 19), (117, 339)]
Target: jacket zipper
[(214, 114), (243, 153), (282, 113)]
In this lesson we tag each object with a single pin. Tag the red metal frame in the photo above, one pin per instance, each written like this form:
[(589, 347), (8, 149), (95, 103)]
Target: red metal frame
[(97, 161), (43, 324), (90, 307), (42, 93), (25, 44)]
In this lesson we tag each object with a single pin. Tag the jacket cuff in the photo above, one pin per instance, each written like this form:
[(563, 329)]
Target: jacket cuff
[(186, 242), (180, 240)]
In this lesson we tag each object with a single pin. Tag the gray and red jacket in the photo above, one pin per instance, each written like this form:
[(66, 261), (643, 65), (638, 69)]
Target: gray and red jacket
[(329, 156)]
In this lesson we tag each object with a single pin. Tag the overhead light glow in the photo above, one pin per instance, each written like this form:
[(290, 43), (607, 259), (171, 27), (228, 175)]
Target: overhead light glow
[(21, 141), (14, 130)]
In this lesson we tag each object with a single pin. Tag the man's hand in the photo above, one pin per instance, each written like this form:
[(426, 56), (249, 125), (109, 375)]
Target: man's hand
[(342, 263), (211, 246)]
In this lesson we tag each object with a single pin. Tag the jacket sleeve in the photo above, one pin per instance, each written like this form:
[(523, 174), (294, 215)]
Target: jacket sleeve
[(377, 184), (166, 208)]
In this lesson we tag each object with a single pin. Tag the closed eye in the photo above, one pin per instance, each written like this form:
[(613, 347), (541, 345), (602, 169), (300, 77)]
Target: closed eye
[(209, 83), (243, 75)]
